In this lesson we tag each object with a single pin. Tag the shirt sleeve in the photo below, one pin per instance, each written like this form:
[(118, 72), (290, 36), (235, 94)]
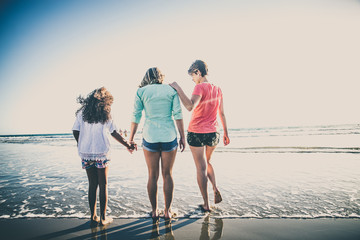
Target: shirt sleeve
[(197, 90), (77, 124), (111, 126), (177, 112), (138, 108)]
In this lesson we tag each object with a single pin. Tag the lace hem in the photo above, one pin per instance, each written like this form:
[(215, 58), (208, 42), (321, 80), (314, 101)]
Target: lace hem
[(94, 156)]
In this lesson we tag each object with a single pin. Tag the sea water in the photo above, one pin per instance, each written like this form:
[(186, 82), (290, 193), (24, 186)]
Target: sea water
[(282, 172)]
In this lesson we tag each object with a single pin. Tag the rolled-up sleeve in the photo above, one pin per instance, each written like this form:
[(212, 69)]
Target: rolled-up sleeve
[(138, 108), (176, 111)]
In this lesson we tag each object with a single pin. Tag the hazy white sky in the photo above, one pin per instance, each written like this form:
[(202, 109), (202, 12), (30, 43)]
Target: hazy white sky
[(278, 62)]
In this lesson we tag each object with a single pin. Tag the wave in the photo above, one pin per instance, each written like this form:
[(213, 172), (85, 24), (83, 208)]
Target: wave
[(198, 216), (313, 139), (265, 149)]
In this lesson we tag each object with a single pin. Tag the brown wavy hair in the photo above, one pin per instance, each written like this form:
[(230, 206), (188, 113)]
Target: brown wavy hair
[(152, 76), (96, 107)]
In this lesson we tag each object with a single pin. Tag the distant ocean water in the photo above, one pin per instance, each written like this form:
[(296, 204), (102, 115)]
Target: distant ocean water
[(280, 172)]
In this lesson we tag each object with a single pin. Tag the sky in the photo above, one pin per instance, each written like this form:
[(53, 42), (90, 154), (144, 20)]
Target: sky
[(279, 63)]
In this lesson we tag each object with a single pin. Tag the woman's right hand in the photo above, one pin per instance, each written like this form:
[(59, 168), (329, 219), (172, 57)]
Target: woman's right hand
[(133, 146), (174, 85), (182, 144)]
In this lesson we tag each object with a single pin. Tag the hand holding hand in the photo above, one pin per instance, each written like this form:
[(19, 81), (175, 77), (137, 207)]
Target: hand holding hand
[(133, 146)]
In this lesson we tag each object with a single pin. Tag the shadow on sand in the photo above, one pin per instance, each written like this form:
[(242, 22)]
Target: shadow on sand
[(142, 229)]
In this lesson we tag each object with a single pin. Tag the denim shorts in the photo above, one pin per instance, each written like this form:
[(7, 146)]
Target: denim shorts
[(203, 139), (160, 146)]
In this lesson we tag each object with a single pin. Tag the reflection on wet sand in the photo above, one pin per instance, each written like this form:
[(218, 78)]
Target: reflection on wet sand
[(208, 227), (155, 233), (102, 233)]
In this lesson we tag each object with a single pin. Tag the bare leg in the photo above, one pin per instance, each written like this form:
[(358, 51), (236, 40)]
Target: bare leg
[(201, 171), (152, 161), (93, 184), (167, 163), (210, 169), (102, 178), (211, 174)]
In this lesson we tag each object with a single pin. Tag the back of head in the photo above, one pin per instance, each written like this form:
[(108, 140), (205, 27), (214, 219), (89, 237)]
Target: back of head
[(199, 65), (152, 76), (96, 107)]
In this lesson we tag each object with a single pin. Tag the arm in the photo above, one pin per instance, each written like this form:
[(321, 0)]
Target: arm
[(189, 104), (180, 127), (136, 117), (121, 140), (133, 129), (76, 135), (177, 113), (226, 138)]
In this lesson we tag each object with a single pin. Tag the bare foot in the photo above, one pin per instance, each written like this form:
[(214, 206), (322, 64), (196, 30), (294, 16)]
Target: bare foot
[(106, 221), (95, 219), (167, 214), (217, 197), (204, 209), (155, 214)]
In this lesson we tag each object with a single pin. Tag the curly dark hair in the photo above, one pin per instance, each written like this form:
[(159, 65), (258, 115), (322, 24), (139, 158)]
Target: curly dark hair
[(96, 107), (199, 65)]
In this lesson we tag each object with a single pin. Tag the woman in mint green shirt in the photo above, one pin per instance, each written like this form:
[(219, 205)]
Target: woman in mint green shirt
[(161, 105)]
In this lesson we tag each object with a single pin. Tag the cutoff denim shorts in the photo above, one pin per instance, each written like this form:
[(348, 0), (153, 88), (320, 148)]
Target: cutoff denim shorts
[(160, 146)]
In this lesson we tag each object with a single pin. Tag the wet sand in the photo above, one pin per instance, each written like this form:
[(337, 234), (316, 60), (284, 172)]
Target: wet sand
[(183, 228)]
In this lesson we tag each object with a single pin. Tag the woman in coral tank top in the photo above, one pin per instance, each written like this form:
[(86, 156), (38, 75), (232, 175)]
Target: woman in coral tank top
[(206, 102)]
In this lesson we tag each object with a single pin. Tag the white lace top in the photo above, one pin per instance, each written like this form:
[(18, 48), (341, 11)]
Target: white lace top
[(93, 141)]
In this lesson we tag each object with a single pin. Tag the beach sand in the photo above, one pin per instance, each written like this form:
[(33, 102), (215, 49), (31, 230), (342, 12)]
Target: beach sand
[(183, 228)]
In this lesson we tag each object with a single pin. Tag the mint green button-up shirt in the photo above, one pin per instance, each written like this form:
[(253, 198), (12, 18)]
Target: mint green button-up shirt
[(161, 105)]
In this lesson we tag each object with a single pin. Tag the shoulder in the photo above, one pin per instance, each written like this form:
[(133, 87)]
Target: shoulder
[(168, 88), (213, 86), (199, 88), (79, 114), (165, 88), (141, 90), (217, 88)]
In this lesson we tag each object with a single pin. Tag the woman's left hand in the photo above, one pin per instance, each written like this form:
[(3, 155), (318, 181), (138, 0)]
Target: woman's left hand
[(226, 139)]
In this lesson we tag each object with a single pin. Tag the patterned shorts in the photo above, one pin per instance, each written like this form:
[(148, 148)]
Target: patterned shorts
[(86, 164), (203, 139)]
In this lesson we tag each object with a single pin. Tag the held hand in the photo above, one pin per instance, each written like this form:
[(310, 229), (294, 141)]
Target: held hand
[(133, 145), (226, 140), (130, 150), (182, 144), (174, 85)]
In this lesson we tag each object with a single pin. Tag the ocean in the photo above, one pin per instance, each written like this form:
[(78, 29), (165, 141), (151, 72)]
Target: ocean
[(279, 172)]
